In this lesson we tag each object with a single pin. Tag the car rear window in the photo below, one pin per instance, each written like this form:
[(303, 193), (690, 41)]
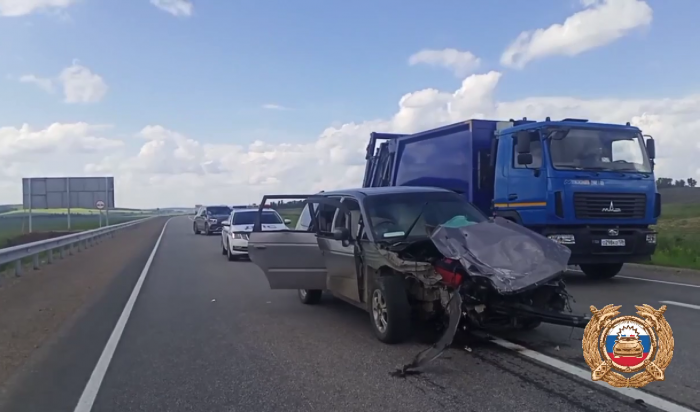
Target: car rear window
[(219, 210), (248, 218)]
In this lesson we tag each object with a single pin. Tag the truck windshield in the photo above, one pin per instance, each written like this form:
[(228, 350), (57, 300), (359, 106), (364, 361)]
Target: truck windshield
[(605, 150), (248, 218), (392, 215)]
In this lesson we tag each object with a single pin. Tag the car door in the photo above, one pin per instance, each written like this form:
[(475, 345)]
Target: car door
[(198, 219), (339, 256), (290, 259)]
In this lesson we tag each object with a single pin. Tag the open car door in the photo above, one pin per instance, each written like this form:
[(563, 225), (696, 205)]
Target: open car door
[(290, 259)]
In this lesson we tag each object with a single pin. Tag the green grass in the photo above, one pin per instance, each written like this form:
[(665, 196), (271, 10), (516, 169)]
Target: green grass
[(291, 214), (13, 226), (678, 242), (65, 211)]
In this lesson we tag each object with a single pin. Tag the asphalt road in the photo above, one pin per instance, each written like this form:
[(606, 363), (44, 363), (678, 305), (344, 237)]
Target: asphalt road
[(206, 334)]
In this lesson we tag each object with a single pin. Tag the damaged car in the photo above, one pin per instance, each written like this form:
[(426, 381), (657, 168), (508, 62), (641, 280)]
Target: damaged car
[(417, 258)]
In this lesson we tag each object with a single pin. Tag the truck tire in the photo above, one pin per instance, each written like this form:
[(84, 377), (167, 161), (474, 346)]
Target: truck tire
[(389, 310), (310, 297), (601, 270)]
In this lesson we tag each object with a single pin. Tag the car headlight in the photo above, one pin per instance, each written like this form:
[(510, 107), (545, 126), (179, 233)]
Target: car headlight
[(563, 239), (241, 236), (213, 221)]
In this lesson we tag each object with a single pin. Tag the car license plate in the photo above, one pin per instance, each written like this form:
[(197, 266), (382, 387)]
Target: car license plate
[(612, 242)]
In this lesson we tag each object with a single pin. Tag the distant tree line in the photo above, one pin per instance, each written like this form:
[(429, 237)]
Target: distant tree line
[(668, 182)]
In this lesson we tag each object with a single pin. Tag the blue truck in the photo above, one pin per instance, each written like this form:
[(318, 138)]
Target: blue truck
[(587, 185)]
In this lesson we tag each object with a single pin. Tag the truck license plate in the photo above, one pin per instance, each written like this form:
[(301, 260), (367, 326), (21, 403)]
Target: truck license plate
[(612, 242)]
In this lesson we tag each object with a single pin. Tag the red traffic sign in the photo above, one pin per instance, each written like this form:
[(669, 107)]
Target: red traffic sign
[(100, 204)]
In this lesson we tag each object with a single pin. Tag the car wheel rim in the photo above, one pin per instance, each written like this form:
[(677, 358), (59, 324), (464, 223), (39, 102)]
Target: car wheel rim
[(379, 313), (302, 293)]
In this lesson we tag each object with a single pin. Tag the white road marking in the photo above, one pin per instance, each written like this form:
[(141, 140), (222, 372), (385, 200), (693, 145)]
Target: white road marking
[(684, 305), (649, 399), (87, 399), (647, 280), (661, 281)]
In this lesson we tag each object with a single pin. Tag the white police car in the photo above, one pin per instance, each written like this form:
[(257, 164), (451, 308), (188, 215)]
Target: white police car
[(236, 229)]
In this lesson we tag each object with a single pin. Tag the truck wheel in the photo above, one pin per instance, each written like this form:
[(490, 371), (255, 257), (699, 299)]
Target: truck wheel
[(390, 311), (310, 297), (601, 270)]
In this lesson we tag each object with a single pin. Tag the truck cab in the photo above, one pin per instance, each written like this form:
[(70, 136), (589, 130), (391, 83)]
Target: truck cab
[(587, 185)]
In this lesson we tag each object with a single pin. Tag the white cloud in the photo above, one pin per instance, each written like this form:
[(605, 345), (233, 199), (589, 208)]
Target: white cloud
[(15, 8), (43, 83), (80, 85), (271, 106), (173, 169), (600, 23), (461, 63), (175, 7)]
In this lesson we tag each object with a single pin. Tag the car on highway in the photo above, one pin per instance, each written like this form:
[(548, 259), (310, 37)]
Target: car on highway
[(235, 229), (416, 256), (208, 219)]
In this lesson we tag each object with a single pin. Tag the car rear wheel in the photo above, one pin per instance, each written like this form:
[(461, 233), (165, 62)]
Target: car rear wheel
[(390, 311), (310, 297)]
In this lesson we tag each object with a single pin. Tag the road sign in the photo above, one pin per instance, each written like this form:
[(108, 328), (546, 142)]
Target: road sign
[(100, 204)]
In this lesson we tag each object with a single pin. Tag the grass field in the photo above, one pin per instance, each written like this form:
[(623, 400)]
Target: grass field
[(679, 236), (13, 226)]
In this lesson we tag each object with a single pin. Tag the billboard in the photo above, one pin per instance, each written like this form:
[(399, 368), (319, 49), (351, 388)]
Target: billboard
[(67, 192)]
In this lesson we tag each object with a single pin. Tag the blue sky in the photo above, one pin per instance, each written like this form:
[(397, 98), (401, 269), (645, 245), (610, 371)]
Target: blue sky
[(340, 67), (330, 61)]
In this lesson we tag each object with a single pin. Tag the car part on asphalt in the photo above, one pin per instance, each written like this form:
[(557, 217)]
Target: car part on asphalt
[(490, 275)]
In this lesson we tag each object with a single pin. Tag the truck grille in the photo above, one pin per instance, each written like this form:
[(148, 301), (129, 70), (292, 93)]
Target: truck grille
[(610, 205)]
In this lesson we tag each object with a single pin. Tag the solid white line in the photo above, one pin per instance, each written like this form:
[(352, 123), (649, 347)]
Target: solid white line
[(685, 305), (652, 400), (665, 282), (661, 281), (87, 399)]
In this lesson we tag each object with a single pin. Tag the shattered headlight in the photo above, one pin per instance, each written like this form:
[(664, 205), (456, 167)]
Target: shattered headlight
[(563, 239)]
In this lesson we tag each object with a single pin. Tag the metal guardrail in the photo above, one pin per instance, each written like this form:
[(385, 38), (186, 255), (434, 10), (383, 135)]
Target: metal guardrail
[(64, 245)]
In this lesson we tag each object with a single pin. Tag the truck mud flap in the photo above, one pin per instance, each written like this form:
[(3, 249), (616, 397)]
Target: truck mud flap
[(546, 316), (433, 352)]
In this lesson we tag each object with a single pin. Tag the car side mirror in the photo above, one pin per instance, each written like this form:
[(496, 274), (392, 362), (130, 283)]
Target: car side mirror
[(287, 221), (522, 142), (341, 233), (525, 158)]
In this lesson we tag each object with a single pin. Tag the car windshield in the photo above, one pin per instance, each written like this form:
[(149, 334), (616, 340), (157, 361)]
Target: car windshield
[(218, 210), (392, 215), (606, 150), (248, 218)]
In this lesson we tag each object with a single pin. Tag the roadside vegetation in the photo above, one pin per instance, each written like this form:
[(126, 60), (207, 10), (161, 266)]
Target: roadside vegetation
[(679, 236), (46, 224)]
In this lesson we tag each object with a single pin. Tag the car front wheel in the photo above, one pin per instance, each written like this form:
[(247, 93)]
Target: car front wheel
[(310, 297), (390, 311), (194, 227)]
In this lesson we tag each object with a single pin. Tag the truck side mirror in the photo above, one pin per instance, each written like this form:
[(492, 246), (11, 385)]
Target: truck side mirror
[(651, 148), (522, 142), (525, 159)]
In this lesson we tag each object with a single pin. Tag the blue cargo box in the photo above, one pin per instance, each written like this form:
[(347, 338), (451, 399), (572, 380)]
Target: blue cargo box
[(451, 157)]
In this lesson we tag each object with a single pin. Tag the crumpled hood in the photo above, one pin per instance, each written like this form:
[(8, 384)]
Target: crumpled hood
[(511, 256)]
